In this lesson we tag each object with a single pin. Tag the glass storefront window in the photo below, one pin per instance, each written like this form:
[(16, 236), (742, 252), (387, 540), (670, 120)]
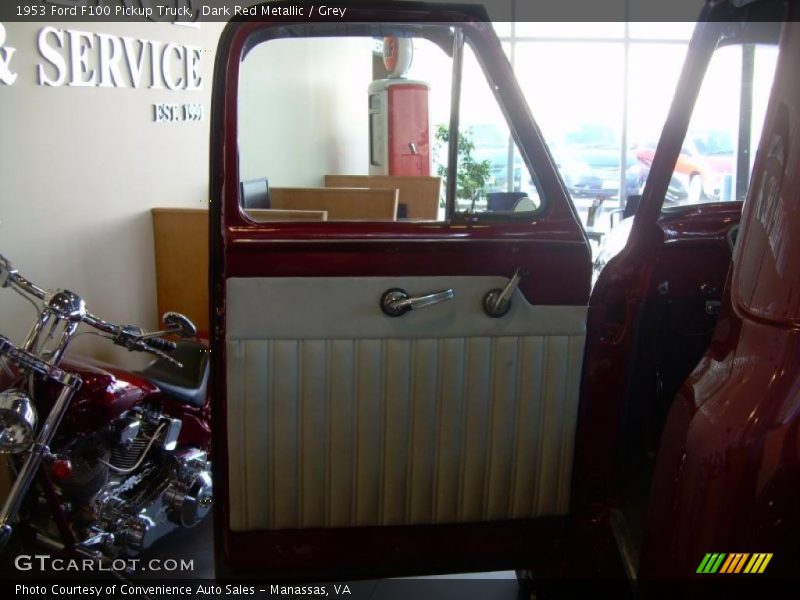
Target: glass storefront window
[(575, 90), (570, 30), (652, 77), (660, 31)]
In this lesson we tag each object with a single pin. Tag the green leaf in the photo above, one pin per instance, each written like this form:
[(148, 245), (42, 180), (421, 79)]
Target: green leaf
[(472, 176)]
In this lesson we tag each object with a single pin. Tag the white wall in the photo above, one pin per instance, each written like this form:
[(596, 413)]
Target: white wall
[(80, 169), (303, 110)]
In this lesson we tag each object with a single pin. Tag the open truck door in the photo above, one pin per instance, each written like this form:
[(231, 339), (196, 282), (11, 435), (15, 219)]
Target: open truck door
[(728, 471), (396, 379), (392, 394), (654, 307)]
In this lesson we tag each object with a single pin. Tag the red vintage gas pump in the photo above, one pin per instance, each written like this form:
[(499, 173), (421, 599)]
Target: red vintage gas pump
[(398, 116)]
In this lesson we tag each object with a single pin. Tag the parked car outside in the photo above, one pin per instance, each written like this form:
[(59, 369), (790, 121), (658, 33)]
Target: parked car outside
[(593, 171), (704, 166)]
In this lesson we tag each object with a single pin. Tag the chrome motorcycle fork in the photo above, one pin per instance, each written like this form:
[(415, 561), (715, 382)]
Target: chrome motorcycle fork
[(38, 452)]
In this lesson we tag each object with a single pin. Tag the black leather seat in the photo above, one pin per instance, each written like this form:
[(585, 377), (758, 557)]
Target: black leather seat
[(187, 385)]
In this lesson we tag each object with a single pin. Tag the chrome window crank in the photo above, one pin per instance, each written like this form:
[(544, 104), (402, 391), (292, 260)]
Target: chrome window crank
[(396, 302), (498, 301)]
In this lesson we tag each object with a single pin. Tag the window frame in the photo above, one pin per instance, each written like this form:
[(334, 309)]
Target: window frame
[(460, 37)]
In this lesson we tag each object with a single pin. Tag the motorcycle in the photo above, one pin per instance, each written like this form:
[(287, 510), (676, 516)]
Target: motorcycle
[(121, 458)]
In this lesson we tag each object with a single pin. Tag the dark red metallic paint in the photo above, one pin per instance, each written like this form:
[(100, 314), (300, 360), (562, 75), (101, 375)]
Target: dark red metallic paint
[(196, 422), (626, 285), (700, 222), (108, 391), (728, 475), (687, 254), (649, 309)]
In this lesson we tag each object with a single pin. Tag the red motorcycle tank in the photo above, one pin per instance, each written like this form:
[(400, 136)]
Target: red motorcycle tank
[(107, 392)]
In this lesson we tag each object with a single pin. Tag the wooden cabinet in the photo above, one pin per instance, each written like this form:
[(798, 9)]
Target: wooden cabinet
[(181, 251)]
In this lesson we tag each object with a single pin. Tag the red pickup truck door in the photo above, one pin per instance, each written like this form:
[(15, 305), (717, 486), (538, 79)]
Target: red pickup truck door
[(652, 311), (349, 439)]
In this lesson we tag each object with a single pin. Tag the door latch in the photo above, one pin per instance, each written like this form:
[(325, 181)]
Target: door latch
[(498, 301)]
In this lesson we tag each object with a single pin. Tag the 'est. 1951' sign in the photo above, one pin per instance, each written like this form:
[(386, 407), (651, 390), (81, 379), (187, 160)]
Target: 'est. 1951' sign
[(177, 113)]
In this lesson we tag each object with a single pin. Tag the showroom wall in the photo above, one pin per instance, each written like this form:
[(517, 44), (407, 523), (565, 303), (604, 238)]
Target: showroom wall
[(82, 160), (82, 163), (323, 123)]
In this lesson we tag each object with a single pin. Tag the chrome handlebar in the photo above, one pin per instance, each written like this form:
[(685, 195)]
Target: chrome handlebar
[(9, 276), (129, 337)]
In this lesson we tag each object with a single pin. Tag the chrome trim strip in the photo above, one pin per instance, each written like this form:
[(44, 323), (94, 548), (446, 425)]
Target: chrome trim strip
[(455, 114), (689, 240)]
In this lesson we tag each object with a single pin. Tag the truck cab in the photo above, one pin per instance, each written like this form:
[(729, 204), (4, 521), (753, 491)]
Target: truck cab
[(411, 370)]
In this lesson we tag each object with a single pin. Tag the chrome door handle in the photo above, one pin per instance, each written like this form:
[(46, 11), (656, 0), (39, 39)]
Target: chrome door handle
[(396, 301)]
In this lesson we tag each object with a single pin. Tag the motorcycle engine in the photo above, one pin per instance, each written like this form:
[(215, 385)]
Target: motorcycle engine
[(131, 484)]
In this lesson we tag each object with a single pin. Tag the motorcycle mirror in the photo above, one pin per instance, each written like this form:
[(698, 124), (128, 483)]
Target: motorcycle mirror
[(179, 324)]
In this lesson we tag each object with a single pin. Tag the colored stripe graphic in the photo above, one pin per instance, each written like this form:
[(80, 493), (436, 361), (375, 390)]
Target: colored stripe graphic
[(716, 562), (735, 561), (703, 563), (726, 565), (758, 563), (753, 561), (729, 563), (741, 563), (711, 563), (765, 563)]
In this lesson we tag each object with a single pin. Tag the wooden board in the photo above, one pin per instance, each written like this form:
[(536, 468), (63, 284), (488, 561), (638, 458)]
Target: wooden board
[(181, 251), (341, 204), (277, 214), (419, 194), (180, 236)]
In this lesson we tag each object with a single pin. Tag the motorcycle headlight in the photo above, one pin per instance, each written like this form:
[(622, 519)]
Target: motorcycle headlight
[(17, 422)]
